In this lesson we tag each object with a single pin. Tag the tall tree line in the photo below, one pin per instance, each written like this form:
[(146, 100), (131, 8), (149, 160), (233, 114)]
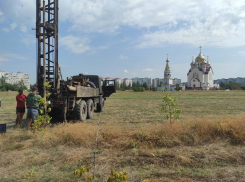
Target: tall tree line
[(13, 87)]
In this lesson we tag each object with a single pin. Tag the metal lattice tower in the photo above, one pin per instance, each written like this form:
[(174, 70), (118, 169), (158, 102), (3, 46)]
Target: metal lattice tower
[(47, 43)]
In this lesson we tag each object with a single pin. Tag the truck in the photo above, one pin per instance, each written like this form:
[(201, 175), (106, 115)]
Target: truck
[(77, 96)]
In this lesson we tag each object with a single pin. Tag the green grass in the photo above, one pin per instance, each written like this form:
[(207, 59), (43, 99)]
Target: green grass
[(53, 156)]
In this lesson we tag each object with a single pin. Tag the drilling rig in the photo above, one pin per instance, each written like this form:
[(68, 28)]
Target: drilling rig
[(77, 96)]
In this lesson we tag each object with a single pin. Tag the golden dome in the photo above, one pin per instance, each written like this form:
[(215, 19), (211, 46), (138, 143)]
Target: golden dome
[(204, 62), (167, 68), (200, 58)]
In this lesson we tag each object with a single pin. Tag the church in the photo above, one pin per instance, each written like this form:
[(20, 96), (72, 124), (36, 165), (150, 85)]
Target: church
[(167, 81), (200, 75)]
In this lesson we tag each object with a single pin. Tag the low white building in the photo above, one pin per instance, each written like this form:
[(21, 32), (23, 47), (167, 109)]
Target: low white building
[(182, 85), (16, 78)]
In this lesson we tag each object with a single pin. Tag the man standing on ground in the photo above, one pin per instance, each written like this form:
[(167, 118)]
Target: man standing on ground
[(20, 109), (32, 104)]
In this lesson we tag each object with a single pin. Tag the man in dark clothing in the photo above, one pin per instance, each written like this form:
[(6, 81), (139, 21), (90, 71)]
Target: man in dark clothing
[(20, 109), (32, 104)]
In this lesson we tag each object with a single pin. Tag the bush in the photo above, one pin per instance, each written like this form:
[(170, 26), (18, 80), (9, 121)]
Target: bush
[(154, 89), (139, 89)]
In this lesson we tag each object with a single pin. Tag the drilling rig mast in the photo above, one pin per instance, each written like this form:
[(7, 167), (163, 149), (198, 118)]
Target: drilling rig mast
[(79, 95), (47, 44)]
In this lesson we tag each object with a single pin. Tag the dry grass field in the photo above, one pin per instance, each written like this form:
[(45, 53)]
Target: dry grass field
[(207, 144)]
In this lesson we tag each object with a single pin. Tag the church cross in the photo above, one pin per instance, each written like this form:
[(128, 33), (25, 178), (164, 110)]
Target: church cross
[(200, 49), (167, 56)]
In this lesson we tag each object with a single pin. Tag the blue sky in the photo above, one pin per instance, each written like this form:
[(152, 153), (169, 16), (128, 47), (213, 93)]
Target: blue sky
[(126, 39)]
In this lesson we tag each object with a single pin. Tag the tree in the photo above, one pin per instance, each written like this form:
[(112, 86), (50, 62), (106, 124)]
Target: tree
[(230, 85), (154, 88), (168, 107), (2, 81), (145, 85), (177, 87), (22, 85)]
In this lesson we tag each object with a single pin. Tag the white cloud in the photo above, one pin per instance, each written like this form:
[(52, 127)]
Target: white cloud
[(22, 12), (28, 39), (214, 23), (13, 26), (125, 71), (1, 16), (75, 44), (133, 74), (147, 69), (23, 28), (241, 52), (218, 23), (5, 29), (4, 57), (122, 57)]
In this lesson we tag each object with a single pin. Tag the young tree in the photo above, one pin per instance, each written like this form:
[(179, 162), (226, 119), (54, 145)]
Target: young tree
[(168, 107)]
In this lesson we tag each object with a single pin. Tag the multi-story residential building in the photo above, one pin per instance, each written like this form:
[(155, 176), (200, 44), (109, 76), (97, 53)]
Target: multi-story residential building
[(155, 82), (118, 81), (176, 81), (16, 78), (237, 80), (141, 81), (127, 82)]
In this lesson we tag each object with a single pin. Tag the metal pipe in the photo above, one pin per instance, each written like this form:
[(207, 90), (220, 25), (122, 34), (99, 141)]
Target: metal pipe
[(44, 51), (48, 42)]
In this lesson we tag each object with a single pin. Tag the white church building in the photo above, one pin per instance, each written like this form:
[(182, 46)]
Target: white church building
[(200, 75), (168, 82)]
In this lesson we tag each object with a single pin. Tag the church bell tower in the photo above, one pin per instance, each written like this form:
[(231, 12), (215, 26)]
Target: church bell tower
[(167, 71)]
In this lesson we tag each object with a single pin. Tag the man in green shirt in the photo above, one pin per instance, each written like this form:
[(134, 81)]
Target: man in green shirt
[(32, 104)]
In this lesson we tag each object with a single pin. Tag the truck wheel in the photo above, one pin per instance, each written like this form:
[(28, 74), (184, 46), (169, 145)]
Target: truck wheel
[(80, 110), (100, 106), (90, 108)]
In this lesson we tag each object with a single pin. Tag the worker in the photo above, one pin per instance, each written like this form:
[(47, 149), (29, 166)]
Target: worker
[(32, 104), (20, 109)]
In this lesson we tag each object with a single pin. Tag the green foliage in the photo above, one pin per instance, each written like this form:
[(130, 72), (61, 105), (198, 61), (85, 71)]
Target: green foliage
[(154, 88), (43, 117), (13, 87), (123, 87), (117, 176), (30, 174), (231, 86), (82, 174), (168, 107), (145, 85), (139, 89), (177, 87)]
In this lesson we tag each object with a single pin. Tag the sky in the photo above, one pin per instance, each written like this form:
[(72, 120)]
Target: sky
[(127, 39)]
